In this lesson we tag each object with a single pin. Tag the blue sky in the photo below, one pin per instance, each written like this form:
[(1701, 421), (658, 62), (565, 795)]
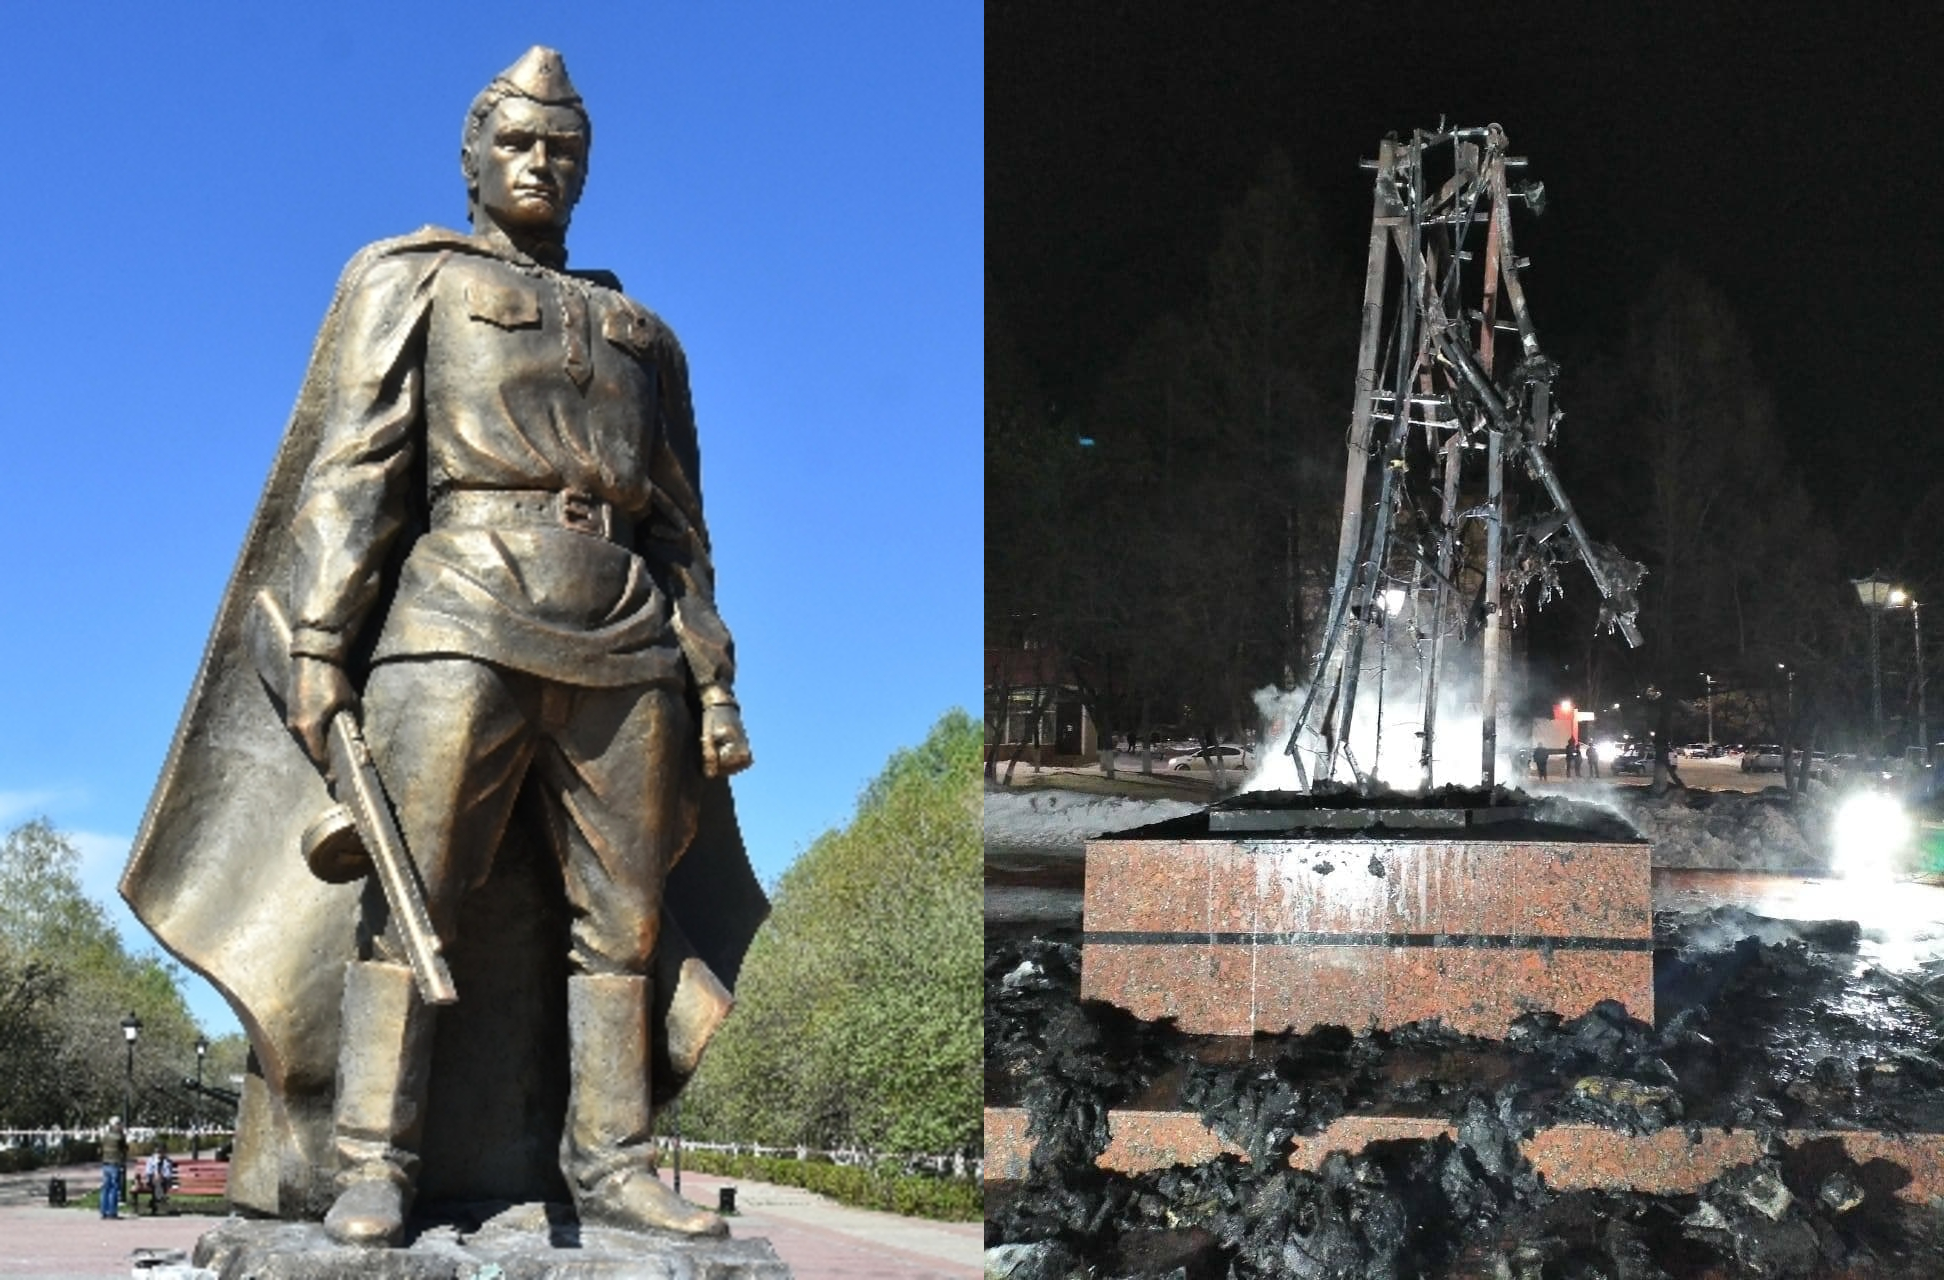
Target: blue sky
[(797, 189)]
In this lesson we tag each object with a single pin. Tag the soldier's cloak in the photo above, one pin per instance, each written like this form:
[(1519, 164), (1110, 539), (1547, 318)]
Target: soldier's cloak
[(217, 873)]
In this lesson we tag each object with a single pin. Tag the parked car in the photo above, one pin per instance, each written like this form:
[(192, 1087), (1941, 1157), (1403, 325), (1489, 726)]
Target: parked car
[(1634, 758), (1233, 760), (1763, 758)]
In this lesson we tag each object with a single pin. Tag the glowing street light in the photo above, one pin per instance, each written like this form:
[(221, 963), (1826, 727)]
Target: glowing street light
[(1710, 680)]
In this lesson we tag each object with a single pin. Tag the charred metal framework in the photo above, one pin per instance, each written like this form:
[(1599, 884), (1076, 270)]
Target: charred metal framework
[(1430, 366)]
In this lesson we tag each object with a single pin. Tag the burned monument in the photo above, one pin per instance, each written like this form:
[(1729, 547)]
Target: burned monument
[(1341, 1030), (447, 817), (1432, 368)]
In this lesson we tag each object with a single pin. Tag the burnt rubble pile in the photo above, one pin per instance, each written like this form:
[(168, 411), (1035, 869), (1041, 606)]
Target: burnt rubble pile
[(1784, 1027), (1382, 1214), (1434, 1208), (1788, 1025), (1068, 1060)]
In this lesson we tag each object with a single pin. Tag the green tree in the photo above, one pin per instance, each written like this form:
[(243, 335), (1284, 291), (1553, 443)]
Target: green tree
[(63, 965), (858, 1007), (1682, 462), (1182, 544)]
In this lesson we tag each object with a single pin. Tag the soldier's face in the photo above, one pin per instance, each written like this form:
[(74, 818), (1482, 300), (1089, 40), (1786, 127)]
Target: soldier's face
[(530, 161)]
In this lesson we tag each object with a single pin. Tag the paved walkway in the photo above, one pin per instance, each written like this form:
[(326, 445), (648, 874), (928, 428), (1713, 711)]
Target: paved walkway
[(819, 1239), (823, 1240)]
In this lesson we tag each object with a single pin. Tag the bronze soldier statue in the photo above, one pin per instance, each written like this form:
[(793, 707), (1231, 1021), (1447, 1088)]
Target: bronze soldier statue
[(484, 540)]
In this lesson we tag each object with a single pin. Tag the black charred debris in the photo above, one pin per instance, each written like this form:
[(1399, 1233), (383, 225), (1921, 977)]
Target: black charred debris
[(1764, 1026)]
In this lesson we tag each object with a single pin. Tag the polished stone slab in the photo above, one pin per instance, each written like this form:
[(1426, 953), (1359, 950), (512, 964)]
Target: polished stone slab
[(1231, 934)]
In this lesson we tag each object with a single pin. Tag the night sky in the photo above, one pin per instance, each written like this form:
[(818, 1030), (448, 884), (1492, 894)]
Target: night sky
[(1789, 159)]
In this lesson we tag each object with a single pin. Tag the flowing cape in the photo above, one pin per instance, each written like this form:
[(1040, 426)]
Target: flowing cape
[(217, 875)]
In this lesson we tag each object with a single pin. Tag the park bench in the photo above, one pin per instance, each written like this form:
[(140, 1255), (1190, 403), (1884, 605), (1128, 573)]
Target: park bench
[(193, 1178)]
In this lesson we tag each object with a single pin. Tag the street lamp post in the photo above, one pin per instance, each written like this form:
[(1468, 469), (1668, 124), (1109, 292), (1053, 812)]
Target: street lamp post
[(195, 1128), (131, 1028), (1902, 597), (1783, 667), (1876, 595), (1899, 598), (1710, 680)]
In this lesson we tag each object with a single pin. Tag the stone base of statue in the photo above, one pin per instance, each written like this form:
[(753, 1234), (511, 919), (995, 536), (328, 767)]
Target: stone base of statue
[(519, 1242)]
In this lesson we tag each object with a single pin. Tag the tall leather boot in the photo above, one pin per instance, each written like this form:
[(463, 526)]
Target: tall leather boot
[(384, 1059), (604, 1149)]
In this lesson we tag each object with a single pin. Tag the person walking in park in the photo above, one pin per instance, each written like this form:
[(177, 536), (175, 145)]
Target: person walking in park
[(114, 1150)]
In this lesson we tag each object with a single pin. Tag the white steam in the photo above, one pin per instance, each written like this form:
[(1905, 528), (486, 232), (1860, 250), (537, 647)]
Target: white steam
[(1386, 737)]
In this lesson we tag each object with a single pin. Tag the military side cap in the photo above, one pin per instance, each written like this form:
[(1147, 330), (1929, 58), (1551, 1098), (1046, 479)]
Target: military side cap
[(541, 74)]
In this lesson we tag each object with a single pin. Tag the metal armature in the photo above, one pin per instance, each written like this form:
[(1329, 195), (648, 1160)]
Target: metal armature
[(1429, 368)]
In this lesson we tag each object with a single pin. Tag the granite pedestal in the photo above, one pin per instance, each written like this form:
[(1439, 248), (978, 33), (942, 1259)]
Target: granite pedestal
[(522, 1242), (1265, 915)]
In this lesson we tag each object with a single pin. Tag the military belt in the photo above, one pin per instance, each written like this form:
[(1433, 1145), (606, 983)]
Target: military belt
[(573, 509)]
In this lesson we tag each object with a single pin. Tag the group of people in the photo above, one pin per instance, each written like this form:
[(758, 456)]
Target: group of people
[(158, 1170), (1580, 762)]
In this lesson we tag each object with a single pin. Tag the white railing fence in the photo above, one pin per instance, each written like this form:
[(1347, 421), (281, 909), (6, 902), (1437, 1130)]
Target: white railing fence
[(55, 1135), (958, 1164)]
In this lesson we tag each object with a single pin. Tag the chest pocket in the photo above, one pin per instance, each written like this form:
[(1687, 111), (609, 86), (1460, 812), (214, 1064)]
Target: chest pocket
[(627, 327), (508, 306)]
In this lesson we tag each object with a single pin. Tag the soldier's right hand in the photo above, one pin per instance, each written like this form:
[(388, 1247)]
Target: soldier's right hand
[(318, 691)]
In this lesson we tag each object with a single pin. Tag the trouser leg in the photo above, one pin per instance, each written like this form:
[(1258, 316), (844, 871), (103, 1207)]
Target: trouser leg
[(449, 739), (452, 739), (620, 784), (620, 788)]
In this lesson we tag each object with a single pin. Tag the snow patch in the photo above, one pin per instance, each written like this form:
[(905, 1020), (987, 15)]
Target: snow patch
[(1052, 820)]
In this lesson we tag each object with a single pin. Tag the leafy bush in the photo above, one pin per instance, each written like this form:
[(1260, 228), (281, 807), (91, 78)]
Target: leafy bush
[(68, 1151), (912, 1195)]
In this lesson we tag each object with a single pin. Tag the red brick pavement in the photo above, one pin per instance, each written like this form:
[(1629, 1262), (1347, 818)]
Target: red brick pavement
[(822, 1240)]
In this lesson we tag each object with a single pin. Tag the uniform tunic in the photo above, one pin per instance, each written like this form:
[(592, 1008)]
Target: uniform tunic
[(473, 368), (471, 387)]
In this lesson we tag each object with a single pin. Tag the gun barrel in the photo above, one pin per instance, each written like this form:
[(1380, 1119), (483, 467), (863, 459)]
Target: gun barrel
[(364, 794)]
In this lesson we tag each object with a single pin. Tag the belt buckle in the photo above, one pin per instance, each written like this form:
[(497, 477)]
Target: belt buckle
[(584, 513)]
